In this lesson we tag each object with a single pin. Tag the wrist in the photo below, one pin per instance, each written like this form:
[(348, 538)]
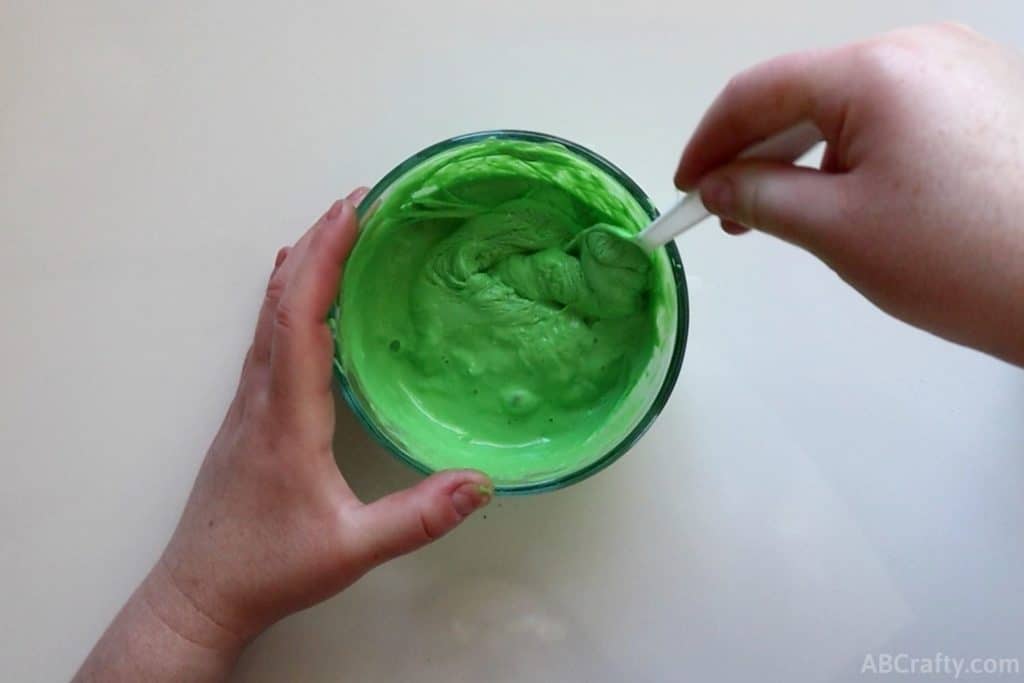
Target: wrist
[(181, 615), (160, 636)]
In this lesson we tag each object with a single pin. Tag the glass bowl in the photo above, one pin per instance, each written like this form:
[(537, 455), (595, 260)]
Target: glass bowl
[(654, 388)]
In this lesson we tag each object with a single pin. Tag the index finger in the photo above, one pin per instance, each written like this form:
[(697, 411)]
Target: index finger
[(301, 349), (761, 102)]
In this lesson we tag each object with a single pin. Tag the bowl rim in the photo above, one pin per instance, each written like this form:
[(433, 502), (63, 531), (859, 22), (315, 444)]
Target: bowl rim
[(682, 310)]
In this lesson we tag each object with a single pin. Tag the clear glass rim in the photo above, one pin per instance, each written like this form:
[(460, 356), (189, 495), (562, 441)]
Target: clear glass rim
[(682, 311)]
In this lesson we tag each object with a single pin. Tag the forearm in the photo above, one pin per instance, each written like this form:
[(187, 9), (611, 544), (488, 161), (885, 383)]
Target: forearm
[(160, 636)]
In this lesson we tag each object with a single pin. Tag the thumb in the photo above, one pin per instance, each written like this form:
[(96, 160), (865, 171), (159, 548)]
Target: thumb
[(404, 521), (800, 205)]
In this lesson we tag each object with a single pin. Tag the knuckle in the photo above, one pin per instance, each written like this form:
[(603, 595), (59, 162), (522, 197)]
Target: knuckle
[(770, 82), (767, 69), (431, 531), (730, 100), (735, 85), (881, 63), (438, 519), (282, 254), (275, 288), (869, 55), (751, 207), (285, 318), (954, 27)]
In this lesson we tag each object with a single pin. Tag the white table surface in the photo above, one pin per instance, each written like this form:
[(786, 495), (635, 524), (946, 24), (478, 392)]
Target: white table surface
[(825, 482)]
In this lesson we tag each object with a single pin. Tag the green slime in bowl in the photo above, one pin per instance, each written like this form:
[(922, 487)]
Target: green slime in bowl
[(492, 316)]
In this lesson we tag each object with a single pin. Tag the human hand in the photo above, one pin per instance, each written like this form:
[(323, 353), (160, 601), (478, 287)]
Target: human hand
[(919, 202), (271, 526)]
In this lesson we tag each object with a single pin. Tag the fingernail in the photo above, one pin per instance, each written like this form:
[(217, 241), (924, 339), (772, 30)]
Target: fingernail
[(335, 210), (282, 254), (471, 496), (717, 195), (356, 196)]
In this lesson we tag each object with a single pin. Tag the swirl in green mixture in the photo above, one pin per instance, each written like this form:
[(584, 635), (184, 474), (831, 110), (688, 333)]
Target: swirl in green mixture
[(496, 309)]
